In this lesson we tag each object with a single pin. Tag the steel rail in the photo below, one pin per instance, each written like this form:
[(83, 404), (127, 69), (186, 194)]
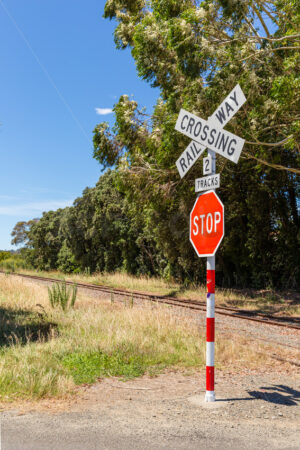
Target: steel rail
[(287, 322)]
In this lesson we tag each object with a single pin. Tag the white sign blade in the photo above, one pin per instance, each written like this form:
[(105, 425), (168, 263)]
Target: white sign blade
[(222, 142), (187, 159), (207, 183), (221, 117), (228, 107)]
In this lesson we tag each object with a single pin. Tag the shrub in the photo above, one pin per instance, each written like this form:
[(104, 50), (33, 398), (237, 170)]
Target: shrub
[(14, 263), (60, 295)]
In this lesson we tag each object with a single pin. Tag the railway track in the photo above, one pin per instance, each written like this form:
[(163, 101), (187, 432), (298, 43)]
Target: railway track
[(267, 319)]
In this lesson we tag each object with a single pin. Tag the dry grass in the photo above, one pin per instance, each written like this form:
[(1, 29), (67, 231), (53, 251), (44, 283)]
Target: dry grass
[(116, 279), (265, 301), (36, 364)]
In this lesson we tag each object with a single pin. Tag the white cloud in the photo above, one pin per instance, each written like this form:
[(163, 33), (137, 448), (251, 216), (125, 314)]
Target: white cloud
[(103, 111), (33, 208)]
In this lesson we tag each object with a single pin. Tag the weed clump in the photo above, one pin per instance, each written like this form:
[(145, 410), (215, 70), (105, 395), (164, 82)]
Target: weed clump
[(61, 296)]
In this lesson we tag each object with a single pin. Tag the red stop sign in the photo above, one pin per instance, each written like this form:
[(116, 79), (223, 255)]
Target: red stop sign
[(207, 224)]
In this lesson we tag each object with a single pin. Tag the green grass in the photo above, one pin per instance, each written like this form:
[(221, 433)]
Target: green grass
[(90, 366)]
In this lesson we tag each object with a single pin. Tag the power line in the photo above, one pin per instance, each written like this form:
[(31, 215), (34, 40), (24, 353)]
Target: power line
[(48, 76)]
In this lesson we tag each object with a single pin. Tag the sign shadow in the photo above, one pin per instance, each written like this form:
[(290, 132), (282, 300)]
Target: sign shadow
[(278, 394), (18, 326)]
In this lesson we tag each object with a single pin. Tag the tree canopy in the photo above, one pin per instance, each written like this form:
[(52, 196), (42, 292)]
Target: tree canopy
[(196, 52)]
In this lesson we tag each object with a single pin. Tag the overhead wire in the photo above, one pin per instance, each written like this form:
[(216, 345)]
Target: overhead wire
[(43, 68)]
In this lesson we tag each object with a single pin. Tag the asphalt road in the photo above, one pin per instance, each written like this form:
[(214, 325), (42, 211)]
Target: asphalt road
[(254, 412)]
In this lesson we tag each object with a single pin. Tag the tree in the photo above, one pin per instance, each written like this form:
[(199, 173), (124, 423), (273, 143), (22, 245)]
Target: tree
[(96, 233), (4, 255), (196, 52), (45, 241), (20, 232), (101, 234)]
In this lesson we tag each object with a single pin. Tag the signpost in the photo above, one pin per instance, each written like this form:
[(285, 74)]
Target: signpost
[(207, 215)]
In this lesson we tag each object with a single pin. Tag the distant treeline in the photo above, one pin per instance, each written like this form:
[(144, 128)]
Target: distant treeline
[(11, 260), (106, 231), (98, 233)]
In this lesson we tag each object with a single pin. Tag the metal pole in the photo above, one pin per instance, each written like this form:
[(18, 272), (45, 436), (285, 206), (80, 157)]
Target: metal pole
[(210, 316)]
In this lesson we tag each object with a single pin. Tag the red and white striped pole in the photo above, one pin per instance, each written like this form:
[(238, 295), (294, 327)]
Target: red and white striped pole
[(210, 316), (210, 330)]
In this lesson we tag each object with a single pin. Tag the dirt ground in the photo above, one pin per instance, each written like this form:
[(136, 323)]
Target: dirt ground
[(253, 410)]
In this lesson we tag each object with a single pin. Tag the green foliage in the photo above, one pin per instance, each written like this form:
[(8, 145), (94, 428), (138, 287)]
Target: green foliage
[(88, 367), (9, 266), (97, 233), (66, 260), (4, 255), (196, 53), (101, 234), (102, 141), (14, 262), (61, 296)]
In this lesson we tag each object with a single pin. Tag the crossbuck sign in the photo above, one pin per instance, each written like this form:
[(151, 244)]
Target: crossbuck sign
[(210, 133)]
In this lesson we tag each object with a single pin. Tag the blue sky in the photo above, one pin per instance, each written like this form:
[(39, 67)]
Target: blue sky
[(58, 64)]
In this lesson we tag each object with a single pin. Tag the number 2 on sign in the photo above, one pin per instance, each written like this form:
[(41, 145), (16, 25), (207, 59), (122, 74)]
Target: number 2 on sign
[(207, 165)]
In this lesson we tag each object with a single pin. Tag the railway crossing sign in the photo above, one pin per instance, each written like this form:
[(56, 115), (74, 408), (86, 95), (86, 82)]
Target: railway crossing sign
[(207, 224), (216, 121), (207, 216)]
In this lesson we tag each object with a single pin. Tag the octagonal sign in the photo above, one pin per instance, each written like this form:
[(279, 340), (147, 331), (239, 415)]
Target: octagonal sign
[(207, 224)]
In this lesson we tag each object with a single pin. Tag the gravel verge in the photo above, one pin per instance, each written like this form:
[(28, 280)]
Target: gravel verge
[(257, 411)]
